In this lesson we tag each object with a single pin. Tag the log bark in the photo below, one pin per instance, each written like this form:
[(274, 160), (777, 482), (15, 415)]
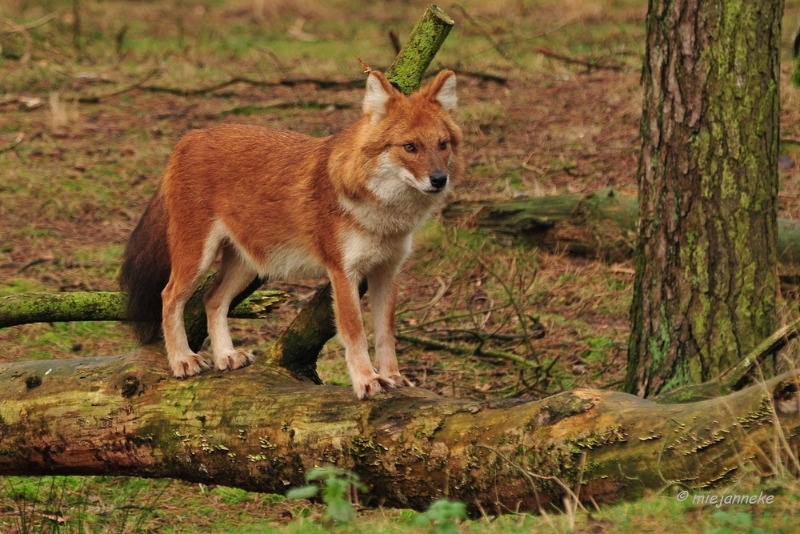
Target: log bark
[(599, 225), (127, 416)]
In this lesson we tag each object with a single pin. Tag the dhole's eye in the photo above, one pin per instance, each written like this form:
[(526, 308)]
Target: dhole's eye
[(443, 145), (410, 148)]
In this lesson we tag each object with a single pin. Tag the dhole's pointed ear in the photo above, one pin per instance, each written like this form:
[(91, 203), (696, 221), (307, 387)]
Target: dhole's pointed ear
[(443, 90), (379, 91)]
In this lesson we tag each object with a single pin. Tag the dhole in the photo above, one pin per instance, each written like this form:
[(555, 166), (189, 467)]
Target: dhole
[(283, 204)]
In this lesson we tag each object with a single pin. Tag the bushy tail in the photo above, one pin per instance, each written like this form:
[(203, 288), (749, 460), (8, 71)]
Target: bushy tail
[(145, 271)]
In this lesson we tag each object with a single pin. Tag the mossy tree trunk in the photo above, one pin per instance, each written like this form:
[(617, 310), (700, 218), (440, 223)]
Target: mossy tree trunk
[(705, 287)]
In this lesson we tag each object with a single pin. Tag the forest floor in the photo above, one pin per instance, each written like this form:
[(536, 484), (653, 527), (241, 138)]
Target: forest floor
[(93, 98)]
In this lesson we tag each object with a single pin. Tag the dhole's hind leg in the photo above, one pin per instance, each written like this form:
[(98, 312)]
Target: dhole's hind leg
[(233, 277), (188, 268)]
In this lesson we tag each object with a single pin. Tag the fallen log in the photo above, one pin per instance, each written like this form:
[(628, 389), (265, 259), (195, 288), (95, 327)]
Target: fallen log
[(26, 308), (261, 429), (599, 225)]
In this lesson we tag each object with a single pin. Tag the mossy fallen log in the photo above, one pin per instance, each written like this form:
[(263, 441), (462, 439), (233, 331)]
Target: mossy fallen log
[(259, 428), (26, 308), (599, 225)]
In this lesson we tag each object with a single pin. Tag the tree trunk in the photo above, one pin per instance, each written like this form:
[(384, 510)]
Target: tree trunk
[(705, 287), (127, 416)]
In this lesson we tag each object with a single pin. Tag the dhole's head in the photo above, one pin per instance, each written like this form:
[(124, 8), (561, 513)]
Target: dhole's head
[(413, 140)]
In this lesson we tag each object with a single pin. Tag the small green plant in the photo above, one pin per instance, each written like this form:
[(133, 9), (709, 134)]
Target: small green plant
[(735, 522), (445, 514), (338, 492)]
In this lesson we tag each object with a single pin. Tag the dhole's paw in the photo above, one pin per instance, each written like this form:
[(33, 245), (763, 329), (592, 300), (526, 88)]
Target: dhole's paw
[(400, 381), (370, 386), (186, 365), (233, 360)]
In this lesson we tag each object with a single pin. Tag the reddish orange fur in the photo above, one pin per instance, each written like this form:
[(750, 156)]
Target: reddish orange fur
[(285, 203)]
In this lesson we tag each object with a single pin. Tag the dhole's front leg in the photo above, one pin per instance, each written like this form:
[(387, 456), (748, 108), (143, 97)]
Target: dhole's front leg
[(382, 298), (350, 327)]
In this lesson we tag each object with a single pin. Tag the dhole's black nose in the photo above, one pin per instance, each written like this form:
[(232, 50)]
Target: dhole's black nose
[(439, 179)]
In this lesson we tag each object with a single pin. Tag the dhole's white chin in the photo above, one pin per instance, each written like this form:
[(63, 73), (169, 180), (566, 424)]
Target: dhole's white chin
[(433, 191)]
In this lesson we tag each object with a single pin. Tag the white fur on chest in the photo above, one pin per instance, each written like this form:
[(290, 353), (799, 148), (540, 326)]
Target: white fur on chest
[(363, 251)]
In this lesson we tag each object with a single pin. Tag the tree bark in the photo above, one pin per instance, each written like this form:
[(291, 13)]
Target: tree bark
[(706, 282), (127, 416)]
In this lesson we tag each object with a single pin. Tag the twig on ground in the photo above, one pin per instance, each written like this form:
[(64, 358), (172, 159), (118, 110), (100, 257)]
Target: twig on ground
[(281, 66), (17, 140), (288, 82), (510, 294), (436, 298), (119, 39), (452, 317), (483, 76), (456, 334), (284, 104), (738, 376), (96, 98), (496, 45), (466, 351), (528, 39), (16, 28), (589, 64), (20, 137)]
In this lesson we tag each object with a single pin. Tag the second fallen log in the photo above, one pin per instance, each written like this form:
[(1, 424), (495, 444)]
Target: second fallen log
[(600, 225)]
